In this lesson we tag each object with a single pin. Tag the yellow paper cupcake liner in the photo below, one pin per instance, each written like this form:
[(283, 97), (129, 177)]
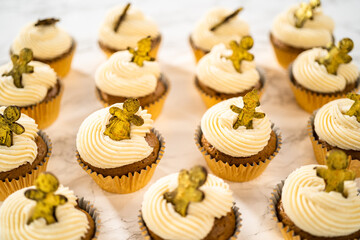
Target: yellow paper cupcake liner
[(8, 186), (310, 101), (242, 173), (62, 66), (212, 100), (320, 151), (146, 235), (285, 57), (198, 52), (153, 52), (153, 108), (126, 183), (46, 112), (89, 208)]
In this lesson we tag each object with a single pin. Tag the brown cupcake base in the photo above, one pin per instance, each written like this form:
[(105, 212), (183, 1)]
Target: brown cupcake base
[(153, 52), (92, 217), (153, 142), (197, 51), (310, 100), (287, 227), (223, 228)]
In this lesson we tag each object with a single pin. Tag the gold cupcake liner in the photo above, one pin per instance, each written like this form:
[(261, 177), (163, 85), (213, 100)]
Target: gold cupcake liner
[(212, 100), (310, 101), (146, 235), (153, 52), (9, 186), (198, 52), (283, 56), (242, 173), (126, 183), (45, 112), (62, 65), (89, 208), (153, 108), (320, 151)]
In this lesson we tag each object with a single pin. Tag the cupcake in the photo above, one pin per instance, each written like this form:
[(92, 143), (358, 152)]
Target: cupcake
[(189, 205), (299, 28), (49, 43), (318, 202), (24, 151), (219, 25), (123, 27), (31, 85), (336, 125), (118, 147), (132, 74), (237, 139), (226, 73), (318, 76), (47, 210)]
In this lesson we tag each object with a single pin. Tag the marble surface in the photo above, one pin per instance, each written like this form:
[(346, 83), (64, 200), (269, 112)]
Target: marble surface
[(183, 108)]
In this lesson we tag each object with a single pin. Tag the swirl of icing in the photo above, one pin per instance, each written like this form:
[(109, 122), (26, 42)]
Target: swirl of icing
[(134, 27), (46, 42), (235, 29), (119, 76), (217, 127), (315, 33), (336, 128), (314, 76), (316, 211), (101, 151), (17, 209), (36, 85), (161, 218), (217, 72), (24, 149)]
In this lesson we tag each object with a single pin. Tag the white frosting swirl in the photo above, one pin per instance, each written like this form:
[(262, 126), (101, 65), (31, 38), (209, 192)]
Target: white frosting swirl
[(161, 218), (17, 209), (218, 73), (36, 85), (24, 149), (101, 151), (134, 27), (217, 127), (337, 129), (234, 29), (314, 76), (119, 76), (315, 33), (316, 211), (46, 42)]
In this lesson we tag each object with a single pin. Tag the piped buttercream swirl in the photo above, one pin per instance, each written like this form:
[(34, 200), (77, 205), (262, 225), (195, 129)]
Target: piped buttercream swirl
[(234, 29), (315, 33), (24, 149), (218, 73), (337, 129), (217, 127), (316, 211), (101, 151), (72, 224), (36, 85), (119, 76), (46, 42), (135, 27), (161, 218), (314, 76)]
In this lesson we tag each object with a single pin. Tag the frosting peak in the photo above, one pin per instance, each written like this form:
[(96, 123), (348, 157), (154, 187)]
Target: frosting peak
[(47, 42), (217, 72), (119, 76), (134, 27), (316, 211), (234, 29), (101, 151), (217, 127)]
